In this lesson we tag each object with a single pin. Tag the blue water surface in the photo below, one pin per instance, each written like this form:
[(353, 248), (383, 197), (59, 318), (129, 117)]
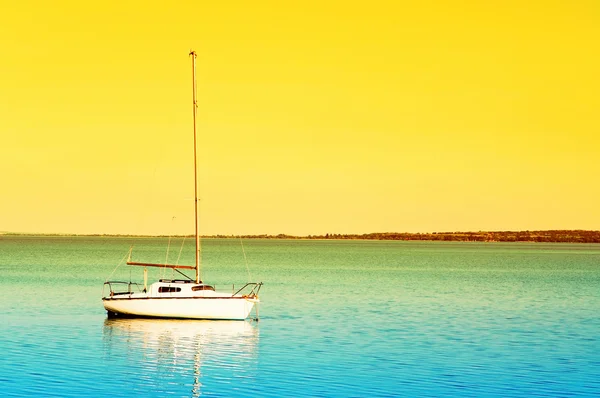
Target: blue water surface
[(337, 319)]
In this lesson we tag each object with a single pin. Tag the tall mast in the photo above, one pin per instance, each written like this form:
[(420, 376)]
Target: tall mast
[(195, 104)]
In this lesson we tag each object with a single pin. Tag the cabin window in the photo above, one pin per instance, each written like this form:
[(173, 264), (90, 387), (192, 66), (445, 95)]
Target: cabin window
[(202, 287), (168, 289)]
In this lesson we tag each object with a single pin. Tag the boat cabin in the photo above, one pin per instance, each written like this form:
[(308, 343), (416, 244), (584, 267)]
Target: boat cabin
[(177, 287)]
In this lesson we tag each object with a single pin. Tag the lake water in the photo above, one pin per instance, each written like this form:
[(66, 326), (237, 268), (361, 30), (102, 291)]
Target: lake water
[(337, 319)]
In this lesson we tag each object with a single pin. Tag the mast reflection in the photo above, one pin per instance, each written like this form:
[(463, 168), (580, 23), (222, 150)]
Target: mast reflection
[(183, 356)]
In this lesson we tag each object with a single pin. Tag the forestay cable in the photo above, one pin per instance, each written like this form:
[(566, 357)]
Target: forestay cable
[(245, 259), (119, 264)]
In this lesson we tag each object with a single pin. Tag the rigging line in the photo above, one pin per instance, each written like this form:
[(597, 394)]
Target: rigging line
[(176, 270), (169, 244), (119, 264), (245, 259), (168, 247), (180, 250)]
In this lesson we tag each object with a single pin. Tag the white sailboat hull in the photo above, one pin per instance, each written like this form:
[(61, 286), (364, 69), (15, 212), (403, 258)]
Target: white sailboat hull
[(230, 308)]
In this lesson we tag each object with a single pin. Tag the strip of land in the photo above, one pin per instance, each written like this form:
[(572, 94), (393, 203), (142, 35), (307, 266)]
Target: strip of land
[(564, 236)]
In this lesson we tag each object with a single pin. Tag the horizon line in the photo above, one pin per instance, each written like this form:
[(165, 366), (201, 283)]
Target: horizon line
[(10, 233)]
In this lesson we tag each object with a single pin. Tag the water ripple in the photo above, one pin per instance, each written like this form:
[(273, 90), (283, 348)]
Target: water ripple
[(340, 319)]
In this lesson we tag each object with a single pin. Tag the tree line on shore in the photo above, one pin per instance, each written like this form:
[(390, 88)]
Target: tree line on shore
[(560, 236), (566, 236)]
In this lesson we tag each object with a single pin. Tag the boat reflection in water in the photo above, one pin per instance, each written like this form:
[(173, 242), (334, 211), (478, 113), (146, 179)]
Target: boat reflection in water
[(182, 357)]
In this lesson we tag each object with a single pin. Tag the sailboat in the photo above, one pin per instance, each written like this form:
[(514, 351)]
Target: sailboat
[(187, 298)]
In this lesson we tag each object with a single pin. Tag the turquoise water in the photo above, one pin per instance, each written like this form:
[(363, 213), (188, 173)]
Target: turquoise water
[(338, 319)]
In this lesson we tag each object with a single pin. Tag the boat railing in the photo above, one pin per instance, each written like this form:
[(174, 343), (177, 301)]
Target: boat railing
[(117, 288), (250, 289)]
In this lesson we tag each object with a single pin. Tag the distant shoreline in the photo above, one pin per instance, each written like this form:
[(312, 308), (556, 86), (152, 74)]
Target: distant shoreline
[(554, 236)]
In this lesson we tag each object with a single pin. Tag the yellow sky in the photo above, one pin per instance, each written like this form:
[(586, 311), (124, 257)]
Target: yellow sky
[(314, 117)]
